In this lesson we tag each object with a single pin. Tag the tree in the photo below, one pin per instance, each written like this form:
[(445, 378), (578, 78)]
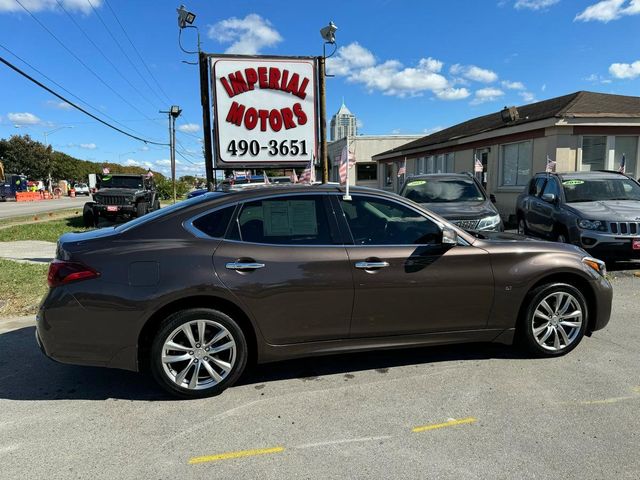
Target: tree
[(25, 156)]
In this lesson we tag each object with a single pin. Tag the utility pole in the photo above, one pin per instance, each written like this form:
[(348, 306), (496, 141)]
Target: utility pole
[(323, 119), (173, 113)]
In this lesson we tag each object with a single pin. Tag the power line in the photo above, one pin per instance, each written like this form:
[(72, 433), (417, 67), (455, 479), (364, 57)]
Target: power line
[(123, 51), (80, 60), (41, 85), (104, 55), (70, 93), (138, 52)]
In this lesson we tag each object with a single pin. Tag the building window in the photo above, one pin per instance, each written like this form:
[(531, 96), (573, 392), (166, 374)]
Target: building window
[(388, 175), (430, 164), (450, 157), (366, 171), (594, 153), (627, 146), (516, 164)]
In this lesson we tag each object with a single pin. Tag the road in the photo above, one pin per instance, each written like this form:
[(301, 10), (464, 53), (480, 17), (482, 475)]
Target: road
[(19, 209), (460, 412)]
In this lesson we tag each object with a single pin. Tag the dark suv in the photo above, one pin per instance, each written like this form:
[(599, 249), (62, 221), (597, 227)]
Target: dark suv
[(598, 211), (121, 196), (458, 197)]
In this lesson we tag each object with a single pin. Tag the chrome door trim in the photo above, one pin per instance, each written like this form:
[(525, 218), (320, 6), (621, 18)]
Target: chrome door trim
[(244, 266)]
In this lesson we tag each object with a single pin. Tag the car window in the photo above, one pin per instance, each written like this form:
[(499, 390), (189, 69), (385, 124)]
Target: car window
[(291, 220), (536, 185), (599, 189), (375, 221), (443, 190), (214, 224), (552, 187)]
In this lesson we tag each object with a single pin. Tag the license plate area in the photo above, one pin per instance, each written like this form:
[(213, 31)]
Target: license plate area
[(635, 244), (114, 208)]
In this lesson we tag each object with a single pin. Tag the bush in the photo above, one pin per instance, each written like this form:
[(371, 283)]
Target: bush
[(165, 188)]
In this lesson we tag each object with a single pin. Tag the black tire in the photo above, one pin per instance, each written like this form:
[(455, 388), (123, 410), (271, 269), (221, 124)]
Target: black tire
[(88, 216), (156, 204), (522, 226), (561, 235), (142, 208), (179, 319), (528, 322)]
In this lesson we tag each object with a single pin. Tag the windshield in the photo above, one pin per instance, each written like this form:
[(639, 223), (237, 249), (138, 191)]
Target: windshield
[(592, 190), (108, 181), (167, 210), (443, 190)]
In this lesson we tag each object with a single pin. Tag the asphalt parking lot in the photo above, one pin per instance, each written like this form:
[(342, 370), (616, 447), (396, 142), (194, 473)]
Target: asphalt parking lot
[(471, 411)]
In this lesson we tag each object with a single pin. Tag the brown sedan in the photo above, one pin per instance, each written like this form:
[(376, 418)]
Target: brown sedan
[(193, 291)]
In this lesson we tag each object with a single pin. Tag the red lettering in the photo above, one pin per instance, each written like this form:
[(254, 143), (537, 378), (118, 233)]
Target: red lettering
[(238, 83), (287, 118), (251, 76), (226, 86), (262, 76), (293, 83), (297, 110), (235, 114), (275, 120), (285, 79), (251, 118), (274, 76), (263, 114), (303, 86)]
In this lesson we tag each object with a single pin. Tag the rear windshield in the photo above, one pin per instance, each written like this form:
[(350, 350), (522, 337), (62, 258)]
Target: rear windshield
[(443, 190), (596, 189), (107, 181)]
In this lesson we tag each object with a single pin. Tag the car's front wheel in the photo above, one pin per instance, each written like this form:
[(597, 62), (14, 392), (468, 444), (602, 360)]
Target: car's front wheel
[(555, 320), (198, 353)]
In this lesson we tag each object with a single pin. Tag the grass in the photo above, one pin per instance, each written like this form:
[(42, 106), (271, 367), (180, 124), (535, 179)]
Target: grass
[(40, 217), (22, 286), (48, 231)]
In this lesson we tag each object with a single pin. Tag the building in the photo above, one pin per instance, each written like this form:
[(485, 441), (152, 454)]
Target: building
[(343, 124), (580, 131), (363, 148)]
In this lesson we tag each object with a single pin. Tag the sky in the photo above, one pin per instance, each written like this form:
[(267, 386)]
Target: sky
[(402, 66)]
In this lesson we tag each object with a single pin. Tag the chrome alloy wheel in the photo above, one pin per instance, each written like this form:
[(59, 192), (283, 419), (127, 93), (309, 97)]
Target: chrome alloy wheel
[(198, 354), (557, 321)]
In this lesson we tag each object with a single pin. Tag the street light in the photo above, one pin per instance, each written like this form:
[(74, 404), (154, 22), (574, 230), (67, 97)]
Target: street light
[(185, 17), (46, 143), (173, 112), (328, 34)]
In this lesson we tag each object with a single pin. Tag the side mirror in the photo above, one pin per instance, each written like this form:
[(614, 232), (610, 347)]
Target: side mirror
[(492, 197), (549, 197), (449, 236)]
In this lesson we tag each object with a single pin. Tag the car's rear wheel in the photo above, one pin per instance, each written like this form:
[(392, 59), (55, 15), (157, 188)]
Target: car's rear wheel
[(554, 321), (198, 353)]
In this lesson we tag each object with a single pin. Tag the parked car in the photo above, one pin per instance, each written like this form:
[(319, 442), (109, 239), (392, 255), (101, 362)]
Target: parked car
[(192, 292), (121, 196), (197, 192), (598, 211), (458, 197), (82, 189)]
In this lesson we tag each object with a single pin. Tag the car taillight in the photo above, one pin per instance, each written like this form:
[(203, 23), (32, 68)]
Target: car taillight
[(61, 272)]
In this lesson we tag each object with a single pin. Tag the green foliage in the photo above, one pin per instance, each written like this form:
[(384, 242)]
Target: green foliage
[(164, 188)]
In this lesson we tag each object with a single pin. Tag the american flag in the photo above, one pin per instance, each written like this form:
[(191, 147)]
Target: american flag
[(344, 156), (105, 170), (477, 165), (623, 165), (403, 169), (294, 176), (308, 176), (551, 165), (266, 178)]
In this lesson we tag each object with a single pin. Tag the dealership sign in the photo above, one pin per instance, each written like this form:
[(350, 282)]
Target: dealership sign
[(264, 110)]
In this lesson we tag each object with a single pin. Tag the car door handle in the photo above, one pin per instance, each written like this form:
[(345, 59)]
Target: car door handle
[(371, 265), (244, 266)]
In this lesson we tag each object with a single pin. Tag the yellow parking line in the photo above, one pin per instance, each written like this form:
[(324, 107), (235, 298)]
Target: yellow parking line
[(238, 454), (450, 423)]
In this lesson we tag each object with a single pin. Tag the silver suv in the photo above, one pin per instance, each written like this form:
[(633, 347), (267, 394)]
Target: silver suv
[(598, 211)]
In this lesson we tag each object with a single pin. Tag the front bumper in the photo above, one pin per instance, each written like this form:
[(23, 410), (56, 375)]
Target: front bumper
[(608, 245)]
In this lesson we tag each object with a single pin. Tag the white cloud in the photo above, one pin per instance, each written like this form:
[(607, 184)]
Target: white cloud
[(144, 148), (82, 6), (625, 70), (472, 72), (23, 118), (189, 127), (132, 163), (58, 105), (348, 58), (595, 78), (248, 35), (528, 97), (453, 94), (431, 130), (166, 162), (513, 85), (488, 94), (534, 4), (544, 87), (88, 146), (607, 10)]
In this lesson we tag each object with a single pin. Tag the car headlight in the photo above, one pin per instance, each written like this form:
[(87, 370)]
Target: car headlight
[(592, 225), (488, 223), (597, 265)]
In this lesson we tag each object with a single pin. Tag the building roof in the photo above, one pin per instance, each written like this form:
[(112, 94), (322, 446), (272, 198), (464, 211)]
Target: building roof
[(575, 105), (343, 110)]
